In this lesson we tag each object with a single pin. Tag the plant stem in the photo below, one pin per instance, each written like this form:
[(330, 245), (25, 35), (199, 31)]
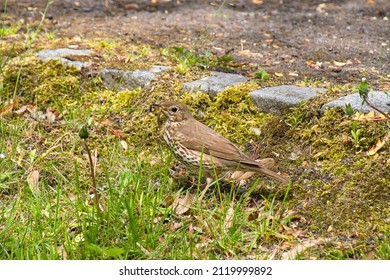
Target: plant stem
[(93, 176)]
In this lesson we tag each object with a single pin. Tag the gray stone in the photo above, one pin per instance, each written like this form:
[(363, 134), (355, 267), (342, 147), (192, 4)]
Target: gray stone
[(278, 99), (157, 69), (215, 83), (128, 80), (60, 54), (378, 99)]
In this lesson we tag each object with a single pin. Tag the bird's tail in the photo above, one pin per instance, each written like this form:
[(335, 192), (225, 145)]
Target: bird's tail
[(261, 167), (273, 174)]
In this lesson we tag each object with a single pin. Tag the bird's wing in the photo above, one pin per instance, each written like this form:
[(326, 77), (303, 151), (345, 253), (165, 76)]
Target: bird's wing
[(198, 137)]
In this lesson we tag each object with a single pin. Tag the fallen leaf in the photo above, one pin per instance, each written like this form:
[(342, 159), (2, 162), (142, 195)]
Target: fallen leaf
[(108, 123), (345, 138), (248, 53), (181, 205), (257, 2), (236, 174), (114, 252), (21, 110), (7, 110), (51, 118), (175, 225), (33, 111), (299, 248), (340, 64), (62, 252), (321, 8), (228, 223), (118, 133), (378, 145), (124, 145), (369, 117), (240, 176), (244, 176), (32, 180)]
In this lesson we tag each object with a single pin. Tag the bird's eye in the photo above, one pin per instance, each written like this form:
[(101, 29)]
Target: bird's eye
[(174, 109)]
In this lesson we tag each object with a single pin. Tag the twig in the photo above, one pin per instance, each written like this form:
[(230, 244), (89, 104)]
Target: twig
[(375, 108)]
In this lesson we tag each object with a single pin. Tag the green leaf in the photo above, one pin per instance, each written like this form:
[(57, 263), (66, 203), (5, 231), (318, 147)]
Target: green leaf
[(348, 109), (114, 252)]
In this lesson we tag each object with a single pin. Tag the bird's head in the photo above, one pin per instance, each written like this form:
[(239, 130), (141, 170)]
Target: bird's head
[(173, 110)]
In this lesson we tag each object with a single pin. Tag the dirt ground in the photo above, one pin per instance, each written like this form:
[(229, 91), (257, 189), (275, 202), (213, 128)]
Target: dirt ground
[(337, 41)]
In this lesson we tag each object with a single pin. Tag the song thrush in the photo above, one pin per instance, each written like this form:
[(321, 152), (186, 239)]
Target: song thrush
[(197, 144)]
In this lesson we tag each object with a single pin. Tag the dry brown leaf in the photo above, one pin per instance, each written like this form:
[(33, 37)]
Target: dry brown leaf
[(124, 145), (107, 122), (371, 116), (118, 133), (51, 118), (244, 176), (198, 229), (203, 224), (32, 180), (341, 64), (239, 176), (32, 111), (299, 248), (358, 116), (21, 110), (236, 174), (62, 252), (248, 53), (175, 225), (378, 145), (7, 110), (181, 205), (257, 2), (229, 217), (345, 138)]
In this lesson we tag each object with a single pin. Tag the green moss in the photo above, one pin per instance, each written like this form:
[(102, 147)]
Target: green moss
[(347, 189), (41, 83)]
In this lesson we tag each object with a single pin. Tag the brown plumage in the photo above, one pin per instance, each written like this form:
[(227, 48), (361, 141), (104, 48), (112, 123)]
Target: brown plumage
[(195, 143)]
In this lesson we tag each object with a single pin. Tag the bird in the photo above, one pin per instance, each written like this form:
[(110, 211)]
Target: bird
[(198, 145)]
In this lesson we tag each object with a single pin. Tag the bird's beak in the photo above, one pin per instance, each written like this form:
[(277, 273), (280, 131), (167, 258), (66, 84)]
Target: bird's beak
[(153, 106), (160, 109)]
